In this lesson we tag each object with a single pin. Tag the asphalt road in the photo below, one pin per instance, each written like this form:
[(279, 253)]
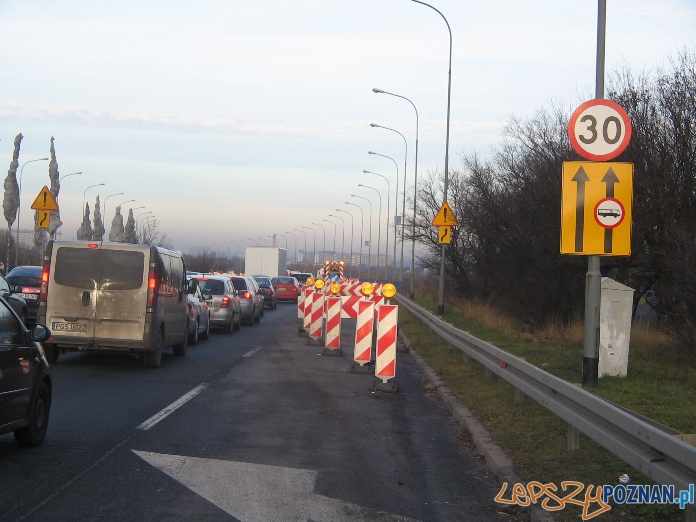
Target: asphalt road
[(266, 429)]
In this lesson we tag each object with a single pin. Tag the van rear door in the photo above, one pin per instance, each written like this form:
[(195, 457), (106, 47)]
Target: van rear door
[(98, 290)]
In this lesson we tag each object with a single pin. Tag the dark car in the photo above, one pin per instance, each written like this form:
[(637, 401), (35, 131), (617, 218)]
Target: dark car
[(269, 294), (18, 304), (29, 278), (25, 386)]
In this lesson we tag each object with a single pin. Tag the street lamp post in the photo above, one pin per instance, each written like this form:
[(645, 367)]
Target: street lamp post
[(441, 293), (333, 257), (396, 206), (351, 238), (415, 193), (304, 257), (19, 212), (379, 223), (323, 252), (386, 248), (295, 236), (109, 196), (362, 229), (403, 204), (84, 195), (343, 240), (369, 247), (285, 238), (262, 239), (257, 244), (314, 253)]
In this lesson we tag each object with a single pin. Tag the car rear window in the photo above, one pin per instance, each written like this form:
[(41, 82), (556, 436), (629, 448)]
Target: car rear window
[(26, 271), (24, 281), (263, 282), (88, 268), (283, 280), (211, 286), (239, 284)]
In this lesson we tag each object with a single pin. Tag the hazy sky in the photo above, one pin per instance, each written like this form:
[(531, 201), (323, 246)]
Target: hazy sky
[(233, 120)]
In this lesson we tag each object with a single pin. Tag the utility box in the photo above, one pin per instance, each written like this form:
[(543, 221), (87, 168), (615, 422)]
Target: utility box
[(614, 327)]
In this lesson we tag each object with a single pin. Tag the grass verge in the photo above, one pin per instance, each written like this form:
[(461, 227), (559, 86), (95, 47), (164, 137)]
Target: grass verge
[(657, 386)]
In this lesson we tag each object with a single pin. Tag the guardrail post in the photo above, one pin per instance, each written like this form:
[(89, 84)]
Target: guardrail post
[(465, 358), (573, 438), (519, 396), (690, 514), (487, 374)]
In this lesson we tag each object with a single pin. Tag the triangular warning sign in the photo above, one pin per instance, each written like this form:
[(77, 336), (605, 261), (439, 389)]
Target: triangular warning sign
[(445, 217), (45, 200)]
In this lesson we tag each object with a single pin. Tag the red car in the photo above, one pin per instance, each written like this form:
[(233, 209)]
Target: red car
[(286, 287)]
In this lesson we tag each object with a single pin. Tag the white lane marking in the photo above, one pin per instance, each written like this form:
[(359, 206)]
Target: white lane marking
[(149, 423), (259, 492), (252, 352)]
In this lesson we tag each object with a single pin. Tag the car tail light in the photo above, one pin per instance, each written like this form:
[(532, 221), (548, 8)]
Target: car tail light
[(44, 281), (245, 295), (151, 287), (269, 291), (225, 302)]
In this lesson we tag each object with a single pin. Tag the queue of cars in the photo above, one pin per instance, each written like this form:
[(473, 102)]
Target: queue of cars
[(101, 296)]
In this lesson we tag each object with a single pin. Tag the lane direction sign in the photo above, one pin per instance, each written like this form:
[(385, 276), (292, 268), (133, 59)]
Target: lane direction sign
[(599, 130), (596, 208), (444, 235), (44, 218), (445, 217), (44, 201)]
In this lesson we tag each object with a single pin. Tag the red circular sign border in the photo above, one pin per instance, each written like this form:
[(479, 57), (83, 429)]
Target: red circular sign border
[(623, 213), (599, 157)]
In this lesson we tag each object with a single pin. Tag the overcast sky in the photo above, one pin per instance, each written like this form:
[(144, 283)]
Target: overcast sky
[(233, 120)]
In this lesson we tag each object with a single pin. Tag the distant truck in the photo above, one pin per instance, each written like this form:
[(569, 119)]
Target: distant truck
[(268, 261)]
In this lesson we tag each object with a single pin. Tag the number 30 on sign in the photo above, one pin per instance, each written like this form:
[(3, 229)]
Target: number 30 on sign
[(599, 130)]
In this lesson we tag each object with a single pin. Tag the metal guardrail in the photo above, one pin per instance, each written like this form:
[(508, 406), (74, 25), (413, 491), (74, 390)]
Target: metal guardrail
[(649, 449)]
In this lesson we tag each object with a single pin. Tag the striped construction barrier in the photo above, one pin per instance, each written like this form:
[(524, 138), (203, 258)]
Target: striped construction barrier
[(332, 337), (300, 302), (316, 326), (364, 330), (307, 306), (385, 365)]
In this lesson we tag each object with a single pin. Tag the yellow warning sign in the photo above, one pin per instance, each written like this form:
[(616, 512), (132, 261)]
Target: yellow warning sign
[(44, 218), (596, 208), (44, 201), (444, 235), (445, 217)]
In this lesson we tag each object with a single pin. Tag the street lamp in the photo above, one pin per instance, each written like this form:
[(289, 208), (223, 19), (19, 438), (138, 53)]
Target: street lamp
[(334, 245), (386, 249), (19, 209), (396, 207), (343, 240), (323, 252), (84, 195), (379, 223), (403, 205), (285, 238), (262, 239), (369, 246), (415, 193), (304, 257), (351, 237), (314, 252), (68, 175), (441, 294), (295, 236), (107, 197), (253, 241), (362, 229)]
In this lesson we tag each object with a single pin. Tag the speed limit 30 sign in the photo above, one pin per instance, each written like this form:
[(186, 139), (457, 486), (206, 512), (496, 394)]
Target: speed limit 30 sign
[(599, 130)]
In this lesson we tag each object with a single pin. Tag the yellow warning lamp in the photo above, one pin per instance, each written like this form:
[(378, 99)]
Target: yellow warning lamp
[(310, 281), (342, 263), (335, 288), (319, 284), (326, 262), (367, 289), (388, 290)]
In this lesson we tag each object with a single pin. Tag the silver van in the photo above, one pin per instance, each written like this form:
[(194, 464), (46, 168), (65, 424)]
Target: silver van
[(122, 297)]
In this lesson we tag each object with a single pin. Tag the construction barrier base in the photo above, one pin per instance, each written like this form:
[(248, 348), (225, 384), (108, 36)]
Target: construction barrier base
[(332, 351), (315, 342), (300, 326), (388, 387), (368, 367)]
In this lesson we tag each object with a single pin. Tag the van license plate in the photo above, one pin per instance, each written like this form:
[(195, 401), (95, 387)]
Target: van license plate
[(69, 327)]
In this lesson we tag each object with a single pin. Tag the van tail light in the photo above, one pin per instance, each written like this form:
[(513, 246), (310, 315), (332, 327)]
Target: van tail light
[(225, 302), (44, 281), (151, 288), (246, 294)]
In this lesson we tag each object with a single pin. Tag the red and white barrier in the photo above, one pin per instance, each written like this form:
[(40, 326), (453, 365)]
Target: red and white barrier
[(300, 302), (332, 338), (316, 325), (387, 318), (307, 306), (363, 332)]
